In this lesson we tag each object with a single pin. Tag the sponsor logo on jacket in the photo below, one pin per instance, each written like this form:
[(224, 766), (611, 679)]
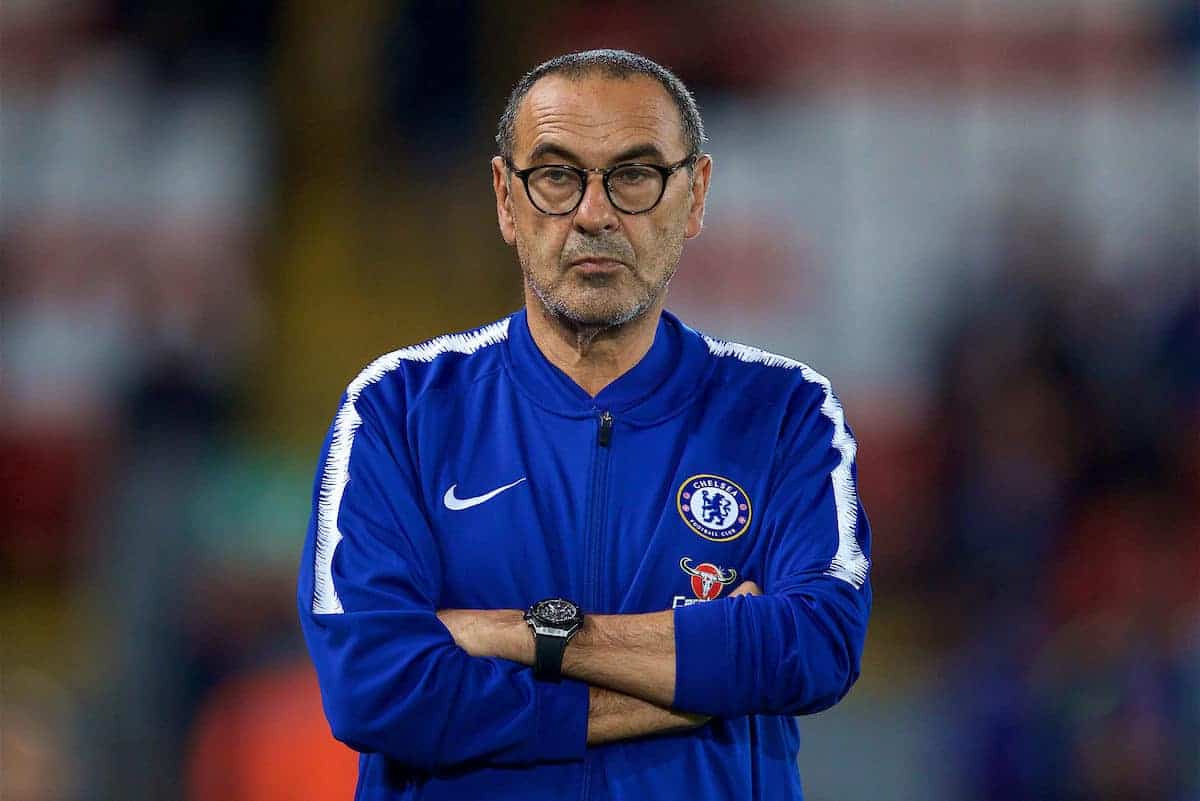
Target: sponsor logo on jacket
[(708, 580)]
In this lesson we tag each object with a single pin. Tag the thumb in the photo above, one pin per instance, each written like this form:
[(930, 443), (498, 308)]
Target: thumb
[(746, 588)]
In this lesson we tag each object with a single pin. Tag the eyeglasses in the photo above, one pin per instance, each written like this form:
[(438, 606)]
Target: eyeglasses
[(633, 188)]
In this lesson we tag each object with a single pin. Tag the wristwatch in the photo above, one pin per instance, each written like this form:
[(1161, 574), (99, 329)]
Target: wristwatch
[(554, 622)]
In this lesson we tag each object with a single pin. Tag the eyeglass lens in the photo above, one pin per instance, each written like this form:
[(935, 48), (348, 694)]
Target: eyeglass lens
[(632, 188)]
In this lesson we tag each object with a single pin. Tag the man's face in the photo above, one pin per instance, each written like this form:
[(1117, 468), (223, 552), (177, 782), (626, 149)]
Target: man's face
[(599, 266)]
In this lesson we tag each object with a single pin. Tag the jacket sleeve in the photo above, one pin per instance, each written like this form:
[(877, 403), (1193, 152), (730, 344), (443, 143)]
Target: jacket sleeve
[(795, 649), (392, 679)]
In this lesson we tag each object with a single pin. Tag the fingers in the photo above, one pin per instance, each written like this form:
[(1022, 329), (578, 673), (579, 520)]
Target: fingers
[(746, 588)]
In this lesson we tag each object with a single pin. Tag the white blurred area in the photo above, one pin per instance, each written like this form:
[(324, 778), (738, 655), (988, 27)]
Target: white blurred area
[(128, 209), (911, 146)]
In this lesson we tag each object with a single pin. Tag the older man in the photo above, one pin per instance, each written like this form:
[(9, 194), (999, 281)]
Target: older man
[(536, 552)]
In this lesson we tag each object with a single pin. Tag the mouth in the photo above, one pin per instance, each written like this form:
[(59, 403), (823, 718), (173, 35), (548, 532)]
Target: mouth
[(596, 265)]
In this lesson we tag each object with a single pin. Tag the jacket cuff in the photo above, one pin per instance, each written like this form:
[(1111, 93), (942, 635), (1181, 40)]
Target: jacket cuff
[(704, 657), (562, 716)]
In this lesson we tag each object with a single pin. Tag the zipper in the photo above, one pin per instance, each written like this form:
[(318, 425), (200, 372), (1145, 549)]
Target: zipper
[(604, 435), (592, 540)]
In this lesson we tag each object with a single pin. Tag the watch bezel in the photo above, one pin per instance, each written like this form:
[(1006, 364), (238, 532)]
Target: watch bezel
[(548, 628)]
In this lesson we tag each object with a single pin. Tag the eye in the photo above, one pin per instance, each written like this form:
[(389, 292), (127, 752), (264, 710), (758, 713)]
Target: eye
[(555, 175), (633, 175)]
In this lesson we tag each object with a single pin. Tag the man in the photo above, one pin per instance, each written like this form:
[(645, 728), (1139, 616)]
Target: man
[(579, 488)]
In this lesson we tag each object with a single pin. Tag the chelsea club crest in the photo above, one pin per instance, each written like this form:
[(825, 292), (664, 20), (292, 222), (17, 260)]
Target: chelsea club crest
[(714, 507)]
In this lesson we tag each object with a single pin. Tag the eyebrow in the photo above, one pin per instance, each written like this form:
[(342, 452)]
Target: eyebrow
[(646, 150)]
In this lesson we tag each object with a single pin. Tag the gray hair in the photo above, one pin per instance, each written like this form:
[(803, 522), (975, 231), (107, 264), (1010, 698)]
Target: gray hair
[(610, 64)]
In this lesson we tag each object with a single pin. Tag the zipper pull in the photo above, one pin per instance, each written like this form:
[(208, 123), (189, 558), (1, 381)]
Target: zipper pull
[(604, 435)]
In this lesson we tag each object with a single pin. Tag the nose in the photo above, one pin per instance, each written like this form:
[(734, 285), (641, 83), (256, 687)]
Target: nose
[(595, 213)]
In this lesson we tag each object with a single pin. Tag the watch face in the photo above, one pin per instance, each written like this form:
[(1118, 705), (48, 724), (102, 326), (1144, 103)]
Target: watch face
[(557, 611)]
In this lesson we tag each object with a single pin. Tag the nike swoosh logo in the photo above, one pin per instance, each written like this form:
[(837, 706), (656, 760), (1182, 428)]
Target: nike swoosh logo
[(456, 504)]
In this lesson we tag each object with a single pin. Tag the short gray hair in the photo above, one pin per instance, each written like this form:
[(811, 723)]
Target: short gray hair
[(611, 64)]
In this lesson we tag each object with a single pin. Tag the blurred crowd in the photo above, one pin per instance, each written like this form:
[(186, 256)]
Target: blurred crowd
[(211, 215), (136, 157), (1065, 505)]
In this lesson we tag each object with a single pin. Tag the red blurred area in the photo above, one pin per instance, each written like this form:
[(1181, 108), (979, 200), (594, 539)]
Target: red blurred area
[(263, 737)]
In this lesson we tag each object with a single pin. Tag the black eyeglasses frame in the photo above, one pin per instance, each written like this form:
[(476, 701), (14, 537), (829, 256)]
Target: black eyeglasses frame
[(604, 172)]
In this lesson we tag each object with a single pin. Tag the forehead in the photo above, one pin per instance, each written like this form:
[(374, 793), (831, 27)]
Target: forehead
[(596, 116)]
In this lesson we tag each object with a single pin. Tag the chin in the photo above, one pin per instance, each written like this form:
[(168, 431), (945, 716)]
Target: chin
[(594, 307), (592, 314), (608, 317)]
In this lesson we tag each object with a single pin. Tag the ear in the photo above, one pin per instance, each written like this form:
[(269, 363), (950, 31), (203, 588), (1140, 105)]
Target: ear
[(501, 186), (702, 173)]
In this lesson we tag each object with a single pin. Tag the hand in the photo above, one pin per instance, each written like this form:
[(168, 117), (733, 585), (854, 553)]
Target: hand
[(692, 720), (746, 588), (688, 719)]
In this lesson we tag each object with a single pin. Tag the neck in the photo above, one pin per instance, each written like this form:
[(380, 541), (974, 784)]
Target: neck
[(591, 356)]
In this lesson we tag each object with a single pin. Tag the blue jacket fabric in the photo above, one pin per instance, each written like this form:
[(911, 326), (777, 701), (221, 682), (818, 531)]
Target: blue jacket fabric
[(469, 472)]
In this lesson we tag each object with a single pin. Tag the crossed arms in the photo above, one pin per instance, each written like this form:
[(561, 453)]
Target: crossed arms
[(628, 661)]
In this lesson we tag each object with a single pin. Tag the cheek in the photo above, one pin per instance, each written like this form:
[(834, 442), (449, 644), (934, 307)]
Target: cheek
[(645, 236), (539, 240), (655, 245)]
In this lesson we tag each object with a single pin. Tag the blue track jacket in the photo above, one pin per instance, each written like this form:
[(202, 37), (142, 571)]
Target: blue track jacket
[(469, 472)]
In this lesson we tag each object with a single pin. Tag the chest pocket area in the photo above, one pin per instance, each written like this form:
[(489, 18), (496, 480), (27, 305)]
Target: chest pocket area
[(719, 523), (502, 551)]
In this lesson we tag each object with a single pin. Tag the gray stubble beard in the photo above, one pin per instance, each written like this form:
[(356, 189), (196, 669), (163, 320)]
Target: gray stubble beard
[(587, 330)]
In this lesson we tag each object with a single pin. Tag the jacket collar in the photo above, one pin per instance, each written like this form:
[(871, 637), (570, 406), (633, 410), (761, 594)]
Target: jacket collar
[(659, 386)]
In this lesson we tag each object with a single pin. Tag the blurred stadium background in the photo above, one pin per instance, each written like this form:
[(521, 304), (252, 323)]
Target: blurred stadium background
[(980, 218)]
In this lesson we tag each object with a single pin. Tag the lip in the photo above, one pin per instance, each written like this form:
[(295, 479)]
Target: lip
[(595, 266)]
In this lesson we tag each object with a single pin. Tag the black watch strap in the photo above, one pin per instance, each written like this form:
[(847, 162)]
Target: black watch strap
[(548, 656)]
